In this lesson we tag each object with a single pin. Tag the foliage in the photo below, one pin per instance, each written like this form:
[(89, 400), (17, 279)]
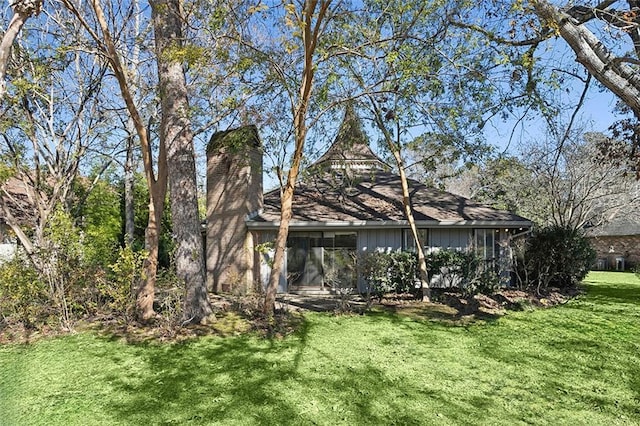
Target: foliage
[(117, 290), (397, 272), (60, 287), (554, 256), (574, 364), (404, 272), (141, 218), (389, 272), (98, 216), (23, 295), (63, 265), (464, 269)]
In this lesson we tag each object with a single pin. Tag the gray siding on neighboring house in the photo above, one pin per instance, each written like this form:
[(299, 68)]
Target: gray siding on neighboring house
[(455, 239)]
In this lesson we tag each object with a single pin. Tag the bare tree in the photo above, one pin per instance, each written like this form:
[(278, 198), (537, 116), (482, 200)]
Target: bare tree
[(525, 35), (50, 129)]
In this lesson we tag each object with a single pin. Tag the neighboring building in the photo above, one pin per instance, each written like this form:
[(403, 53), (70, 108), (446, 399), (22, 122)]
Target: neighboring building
[(617, 245), (348, 203), (15, 198)]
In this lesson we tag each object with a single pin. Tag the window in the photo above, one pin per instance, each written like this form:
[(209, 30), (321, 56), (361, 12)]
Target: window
[(321, 259), (409, 243), (485, 244)]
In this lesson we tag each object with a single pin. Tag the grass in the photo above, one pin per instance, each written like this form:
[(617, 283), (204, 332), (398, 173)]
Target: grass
[(574, 364)]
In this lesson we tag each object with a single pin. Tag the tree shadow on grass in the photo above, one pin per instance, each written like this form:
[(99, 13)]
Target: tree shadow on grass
[(248, 380), (433, 313), (208, 380), (614, 293)]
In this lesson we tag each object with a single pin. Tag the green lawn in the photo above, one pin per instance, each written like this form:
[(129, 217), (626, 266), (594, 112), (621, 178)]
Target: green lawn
[(574, 364)]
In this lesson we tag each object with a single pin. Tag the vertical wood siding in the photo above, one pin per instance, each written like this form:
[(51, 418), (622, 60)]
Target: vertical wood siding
[(456, 239)]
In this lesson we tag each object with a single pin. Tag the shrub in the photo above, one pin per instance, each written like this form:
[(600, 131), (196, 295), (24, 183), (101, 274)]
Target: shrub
[(555, 256), (398, 272), (23, 295), (389, 272), (117, 291), (472, 274), (403, 272), (375, 268)]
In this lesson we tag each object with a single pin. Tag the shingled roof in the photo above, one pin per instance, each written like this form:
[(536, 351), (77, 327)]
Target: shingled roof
[(15, 195), (350, 146), (617, 228), (377, 197), (359, 189)]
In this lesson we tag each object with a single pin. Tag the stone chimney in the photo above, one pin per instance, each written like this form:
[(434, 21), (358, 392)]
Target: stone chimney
[(234, 192)]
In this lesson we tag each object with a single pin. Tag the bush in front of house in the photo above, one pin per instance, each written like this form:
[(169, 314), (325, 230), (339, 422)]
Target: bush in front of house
[(554, 256), (470, 273), (23, 295), (389, 272), (397, 272)]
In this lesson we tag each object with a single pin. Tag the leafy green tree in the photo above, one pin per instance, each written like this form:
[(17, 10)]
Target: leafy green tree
[(525, 36), (98, 216), (424, 83), (22, 10), (287, 58)]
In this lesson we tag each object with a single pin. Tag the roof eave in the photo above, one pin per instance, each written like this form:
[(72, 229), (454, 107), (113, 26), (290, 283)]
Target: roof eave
[(378, 224)]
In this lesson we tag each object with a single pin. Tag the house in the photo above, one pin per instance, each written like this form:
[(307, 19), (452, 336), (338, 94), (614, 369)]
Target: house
[(14, 202), (617, 244), (348, 203)]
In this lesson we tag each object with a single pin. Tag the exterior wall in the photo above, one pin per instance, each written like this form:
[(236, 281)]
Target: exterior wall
[(234, 190), (611, 249), (388, 240), (384, 240), (454, 239)]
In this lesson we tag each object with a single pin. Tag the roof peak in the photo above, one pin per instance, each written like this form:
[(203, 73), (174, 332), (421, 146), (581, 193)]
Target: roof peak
[(350, 148)]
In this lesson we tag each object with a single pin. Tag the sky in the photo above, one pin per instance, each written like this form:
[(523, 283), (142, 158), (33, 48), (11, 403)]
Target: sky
[(596, 115)]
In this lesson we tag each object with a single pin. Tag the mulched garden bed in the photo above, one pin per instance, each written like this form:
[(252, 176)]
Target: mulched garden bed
[(495, 304)]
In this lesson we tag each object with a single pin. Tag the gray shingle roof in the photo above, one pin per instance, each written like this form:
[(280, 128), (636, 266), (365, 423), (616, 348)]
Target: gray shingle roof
[(619, 227), (376, 196), (351, 143)]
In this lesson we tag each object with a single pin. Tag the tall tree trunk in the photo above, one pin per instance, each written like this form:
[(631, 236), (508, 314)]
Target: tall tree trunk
[(22, 10), (129, 210), (156, 183), (145, 294), (285, 217), (176, 133), (408, 212), (394, 147), (310, 36)]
